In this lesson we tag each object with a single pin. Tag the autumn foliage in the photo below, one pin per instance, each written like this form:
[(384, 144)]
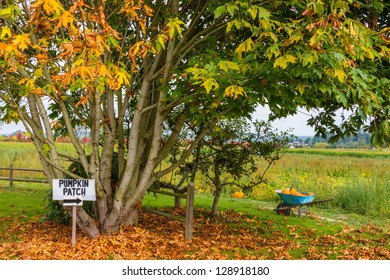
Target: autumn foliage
[(229, 236)]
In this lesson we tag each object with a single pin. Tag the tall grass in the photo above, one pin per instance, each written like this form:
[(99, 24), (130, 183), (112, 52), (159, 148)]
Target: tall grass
[(24, 155)]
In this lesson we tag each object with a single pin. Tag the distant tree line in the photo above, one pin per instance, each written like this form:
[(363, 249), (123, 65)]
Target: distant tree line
[(360, 141)]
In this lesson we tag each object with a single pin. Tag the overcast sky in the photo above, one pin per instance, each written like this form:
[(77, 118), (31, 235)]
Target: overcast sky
[(297, 122)]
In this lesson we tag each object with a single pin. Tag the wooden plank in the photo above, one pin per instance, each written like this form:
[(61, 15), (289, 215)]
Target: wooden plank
[(169, 193), (24, 180), (189, 211), (22, 169), (165, 214), (28, 169), (30, 180)]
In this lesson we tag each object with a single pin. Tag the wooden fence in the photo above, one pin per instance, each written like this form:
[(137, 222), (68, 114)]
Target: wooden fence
[(189, 217), (12, 179)]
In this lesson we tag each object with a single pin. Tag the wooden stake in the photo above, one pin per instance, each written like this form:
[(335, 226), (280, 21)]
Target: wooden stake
[(11, 175), (189, 211), (74, 219)]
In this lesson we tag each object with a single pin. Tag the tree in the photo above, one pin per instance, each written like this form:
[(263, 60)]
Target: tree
[(232, 152), (124, 68)]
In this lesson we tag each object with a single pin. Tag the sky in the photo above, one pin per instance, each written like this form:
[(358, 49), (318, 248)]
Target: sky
[(296, 122)]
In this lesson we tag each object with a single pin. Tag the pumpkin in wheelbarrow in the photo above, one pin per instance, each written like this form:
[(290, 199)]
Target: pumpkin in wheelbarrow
[(295, 197)]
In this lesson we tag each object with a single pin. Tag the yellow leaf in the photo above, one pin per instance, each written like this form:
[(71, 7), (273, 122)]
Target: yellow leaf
[(38, 73), (122, 78), (352, 29), (284, 60), (5, 32), (85, 73), (209, 84), (339, 73), (174, 26), (234, 91), (266, 24), (103, 71), (245, 46), (301, 87), (253, 11), (226, 65), (160, 43), (52, 7), (22, 41), (66, 19)]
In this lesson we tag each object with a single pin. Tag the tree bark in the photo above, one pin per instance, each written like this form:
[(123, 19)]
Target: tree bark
[(218, 189)]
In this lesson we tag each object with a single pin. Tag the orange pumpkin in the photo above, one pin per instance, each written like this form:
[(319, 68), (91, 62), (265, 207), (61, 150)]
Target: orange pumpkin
[(239, 194)]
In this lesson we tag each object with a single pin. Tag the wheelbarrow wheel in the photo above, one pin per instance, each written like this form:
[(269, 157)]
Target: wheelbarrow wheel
[(283, 209)]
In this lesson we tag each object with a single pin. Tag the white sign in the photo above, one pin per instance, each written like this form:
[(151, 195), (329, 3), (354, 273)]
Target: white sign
[(74, 190)]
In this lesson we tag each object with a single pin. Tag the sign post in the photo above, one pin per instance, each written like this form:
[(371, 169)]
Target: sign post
[(73, 192), (74, 219)]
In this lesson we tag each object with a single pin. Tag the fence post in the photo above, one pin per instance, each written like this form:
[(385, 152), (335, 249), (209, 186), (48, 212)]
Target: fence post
[(11, 175), (189, 211)]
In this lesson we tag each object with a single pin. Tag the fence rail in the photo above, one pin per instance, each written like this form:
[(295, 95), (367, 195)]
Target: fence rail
[(12, 179)]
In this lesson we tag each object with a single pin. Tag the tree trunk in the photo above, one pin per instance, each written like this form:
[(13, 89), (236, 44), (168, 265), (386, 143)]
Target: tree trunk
[(218, 188), (217, 196)]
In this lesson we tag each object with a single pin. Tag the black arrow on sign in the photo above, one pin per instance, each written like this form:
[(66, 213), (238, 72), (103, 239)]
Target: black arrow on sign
[(69, 201)]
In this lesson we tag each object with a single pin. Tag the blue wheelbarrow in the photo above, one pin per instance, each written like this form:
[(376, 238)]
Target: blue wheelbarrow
[(301, 203)]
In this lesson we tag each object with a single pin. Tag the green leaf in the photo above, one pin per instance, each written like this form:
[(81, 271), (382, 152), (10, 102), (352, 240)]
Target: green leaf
[(160, 44), (309, 58), (318, 7), (231, 8), (273, 51), (342, 98), (264, 13), (220, 11)]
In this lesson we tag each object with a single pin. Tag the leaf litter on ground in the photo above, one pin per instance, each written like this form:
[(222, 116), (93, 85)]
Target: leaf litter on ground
[(230, 235)]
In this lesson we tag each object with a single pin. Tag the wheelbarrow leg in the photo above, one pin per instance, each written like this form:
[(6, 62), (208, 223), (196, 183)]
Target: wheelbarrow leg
[(302, 209)]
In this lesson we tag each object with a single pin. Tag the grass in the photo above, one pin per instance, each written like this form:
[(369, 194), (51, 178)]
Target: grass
[(22, 204)]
